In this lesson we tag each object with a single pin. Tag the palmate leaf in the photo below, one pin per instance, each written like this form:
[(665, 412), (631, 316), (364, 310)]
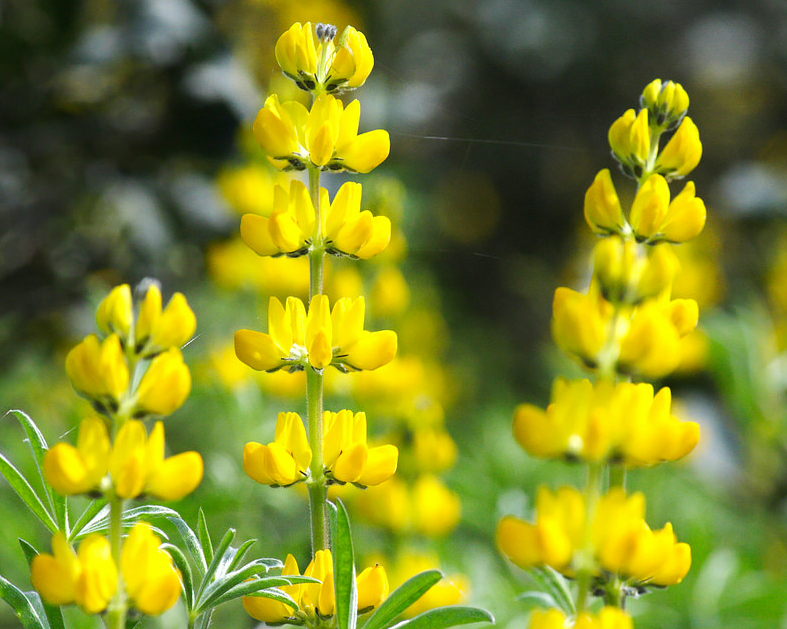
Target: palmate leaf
[(401, 598), (26, 605), (444, 617), (343, 567)]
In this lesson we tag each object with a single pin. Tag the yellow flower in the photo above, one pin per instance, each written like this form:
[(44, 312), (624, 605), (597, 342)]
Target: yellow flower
[(157, 330), (629, 138), (682, 153), (134, 463), (433, 449), (87, 578), (285, 460), (71, 470), (325, 137), (320, 338), (347, 458), (435, 509), (289, 228), (628, 272), (151, 580), (622, 543), (654, 218), (603, 422), (164, 386), (348, 62), (269, 610), (390, 294), (580, 323), (114, 314), (666, 103), (602, 207), (317, 600), (347, 230), (98, 371), (606, 618)]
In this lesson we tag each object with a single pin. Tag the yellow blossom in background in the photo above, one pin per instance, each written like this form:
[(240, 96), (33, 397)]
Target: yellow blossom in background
[(325, 136), (87, 578), (606, 618), (433, 449), (604, 422), (320, 338), (623, 544), (152, 583), (135, 463), (347, 457), (232, 265), (390, 293), (285, 460), (247, 188)]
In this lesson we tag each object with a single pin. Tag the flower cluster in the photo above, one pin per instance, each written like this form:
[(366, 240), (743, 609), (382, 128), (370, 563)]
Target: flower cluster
[(625, 325), (90, 577), (135, 372), (329, 448), (316, 601)]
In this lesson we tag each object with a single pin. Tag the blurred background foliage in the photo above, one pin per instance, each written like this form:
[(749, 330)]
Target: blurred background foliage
[(125, 153)]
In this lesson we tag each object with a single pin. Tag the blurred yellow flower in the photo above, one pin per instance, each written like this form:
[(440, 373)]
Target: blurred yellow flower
[(98, 371), (606, 618), (151, 580)]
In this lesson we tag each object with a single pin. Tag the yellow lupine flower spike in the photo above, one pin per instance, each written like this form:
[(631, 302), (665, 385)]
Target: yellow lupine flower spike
[(151, 580), (285, 460)]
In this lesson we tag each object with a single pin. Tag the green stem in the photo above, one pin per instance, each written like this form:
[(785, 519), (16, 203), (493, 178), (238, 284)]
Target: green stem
[(116, 611), (586, 560), (318, 491), (617, 476)]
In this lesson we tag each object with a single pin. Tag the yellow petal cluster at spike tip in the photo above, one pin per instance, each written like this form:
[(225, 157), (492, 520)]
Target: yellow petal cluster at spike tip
[(297, 339), (604, 422), (316, 600), (324, 137), (154, 329), (622, 543), (152, 583), (87, 578), (289, 230), (348, 458), (666, 102), (606, 618), (134, 462), (348, 61), (285, 460)]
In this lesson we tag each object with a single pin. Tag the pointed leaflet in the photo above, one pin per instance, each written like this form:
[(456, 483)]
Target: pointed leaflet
[(183, 566), (28, 495), (23, 606), (204, 536), (401, 598), (444, 617), (192, 543), (343, 567)]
